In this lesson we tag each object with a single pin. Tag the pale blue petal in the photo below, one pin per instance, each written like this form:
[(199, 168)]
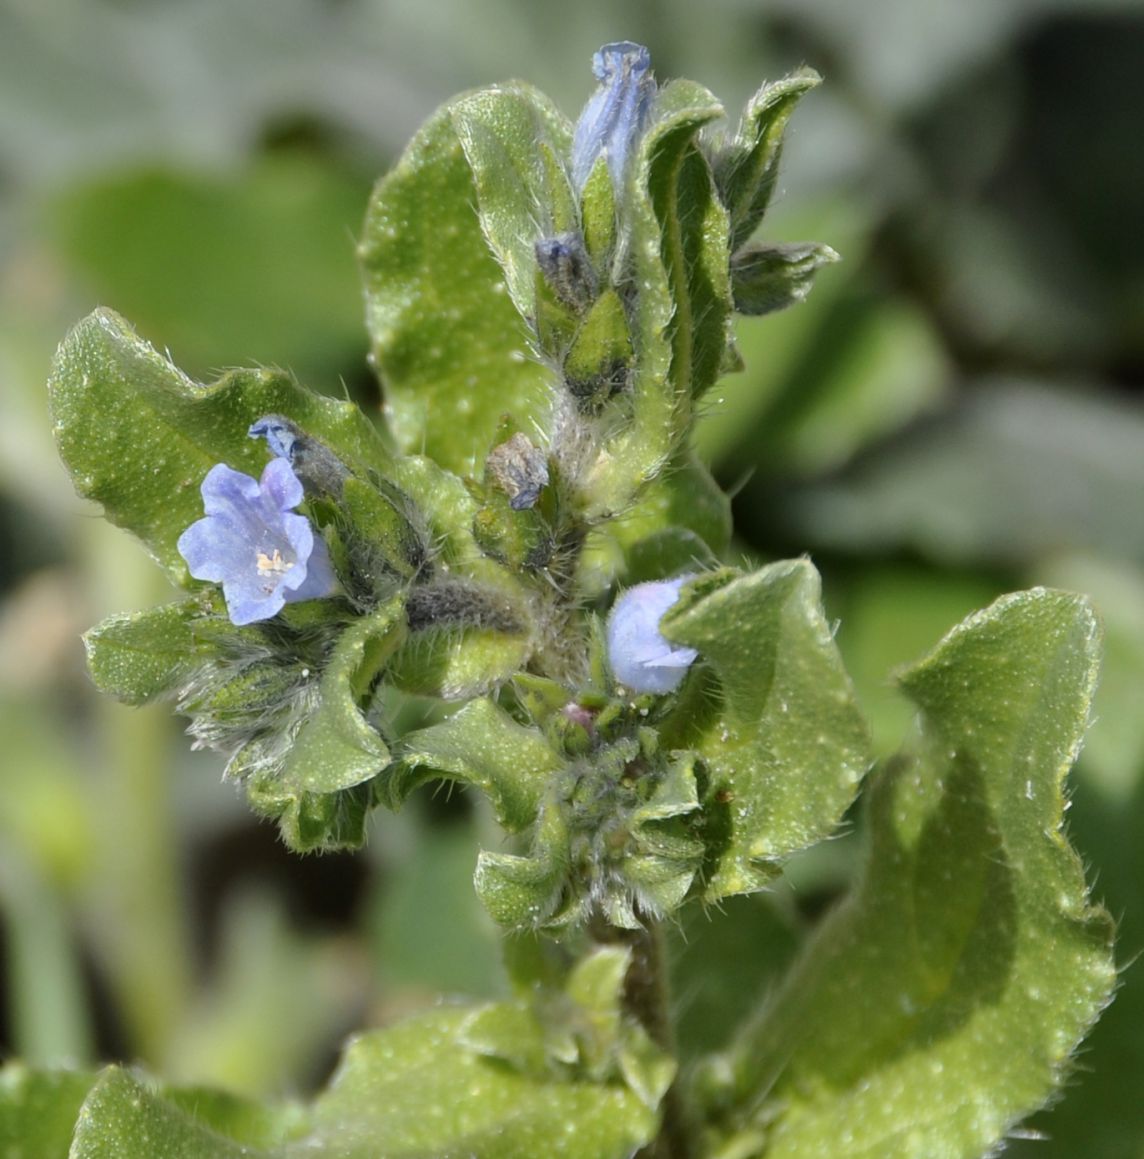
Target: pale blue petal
[(642, 659), (254, 545), (281, 485), (320, 580), (224, 488), (244, 606), (206, 557)]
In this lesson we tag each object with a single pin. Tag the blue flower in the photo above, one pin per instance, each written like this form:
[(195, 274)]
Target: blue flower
[(250, 541), (615, 117), (642, 660), (280, 434)]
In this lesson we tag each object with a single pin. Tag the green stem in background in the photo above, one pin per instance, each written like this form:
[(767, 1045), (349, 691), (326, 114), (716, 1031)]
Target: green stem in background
[(647, 1000), (140, 933), (50, 1020)]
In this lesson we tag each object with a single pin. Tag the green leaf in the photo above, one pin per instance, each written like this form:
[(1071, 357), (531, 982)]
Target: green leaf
[(467, 637), (662, 858), (123, 1117), (380, 541), (522, 892), (512, 136), (783, 742), (138, 436), (694, 239), (38, 1110), (142, 656), (767, 278), (480, 745), (605, 841), (598, 213), (597, 362), (746, 169), (458, 652), (119, 1115), (1100, 1112), (678, 253), (334, 749), (581, 1026), (680, 522), (578, 1022), (447, 338), (448, 508), (252, 1124), (419, 1089), (942, 1003)]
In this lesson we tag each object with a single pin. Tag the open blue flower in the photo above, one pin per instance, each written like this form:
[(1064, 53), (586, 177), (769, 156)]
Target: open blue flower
[(616, 115), (642, 660), (252, 543)]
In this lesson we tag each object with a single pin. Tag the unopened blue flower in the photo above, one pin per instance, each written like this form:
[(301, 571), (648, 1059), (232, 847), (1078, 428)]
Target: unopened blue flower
[(642, 660), (615, 117), (254, 545), (280, 434)]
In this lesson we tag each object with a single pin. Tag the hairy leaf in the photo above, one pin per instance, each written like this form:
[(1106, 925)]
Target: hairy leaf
[(694, 238), (420, 1089), (772, 277), (681, 522), (138, 436), (337, 747), (747, 168), (512, 137), (125, 1116), (141, 656), (448, 341), (319, 790), (781, 738), (676, 245), (942, 1003), (483, 746)]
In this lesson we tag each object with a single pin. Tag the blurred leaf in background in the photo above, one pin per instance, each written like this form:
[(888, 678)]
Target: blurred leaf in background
[(254, 267)]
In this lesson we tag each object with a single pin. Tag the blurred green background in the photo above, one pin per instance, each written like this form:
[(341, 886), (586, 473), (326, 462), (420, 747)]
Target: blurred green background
[(955, 412)]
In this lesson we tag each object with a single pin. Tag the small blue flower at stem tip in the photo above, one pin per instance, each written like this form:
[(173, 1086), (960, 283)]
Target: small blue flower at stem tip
[(614, 119), (642, 660), (252, 543)]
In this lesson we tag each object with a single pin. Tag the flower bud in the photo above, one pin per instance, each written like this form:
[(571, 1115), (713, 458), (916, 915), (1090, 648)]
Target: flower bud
[(615, 117), (567, 269), (642, 660)]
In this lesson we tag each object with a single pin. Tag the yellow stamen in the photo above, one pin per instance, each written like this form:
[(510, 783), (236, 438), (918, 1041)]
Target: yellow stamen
[(273, 564)]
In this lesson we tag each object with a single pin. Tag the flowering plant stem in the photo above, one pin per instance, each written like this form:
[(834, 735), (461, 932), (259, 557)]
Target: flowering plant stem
[(647, 1000), (537, 551)]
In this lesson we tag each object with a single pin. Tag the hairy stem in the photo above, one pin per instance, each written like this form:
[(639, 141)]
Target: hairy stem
[(647, 999)]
